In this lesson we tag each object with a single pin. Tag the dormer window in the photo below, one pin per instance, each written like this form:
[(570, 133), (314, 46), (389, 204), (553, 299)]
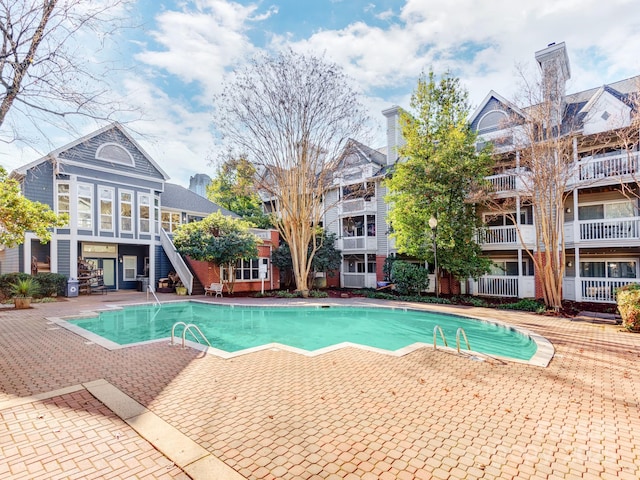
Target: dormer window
[(492, 121), (112, 152)]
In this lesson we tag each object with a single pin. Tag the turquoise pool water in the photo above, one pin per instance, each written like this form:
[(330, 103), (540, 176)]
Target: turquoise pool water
[(235, 328)]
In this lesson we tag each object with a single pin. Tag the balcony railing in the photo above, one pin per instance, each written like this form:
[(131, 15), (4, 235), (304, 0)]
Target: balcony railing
[(614, 164), (602, 289), (503, 182), (498, 286), (611, 229), (506, 235), (358, 205)]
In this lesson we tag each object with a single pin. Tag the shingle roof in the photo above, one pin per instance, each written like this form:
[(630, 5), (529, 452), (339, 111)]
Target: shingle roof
[(183, 199)]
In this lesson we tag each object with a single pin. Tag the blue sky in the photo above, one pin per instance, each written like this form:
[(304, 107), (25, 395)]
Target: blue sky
[(180, 53)]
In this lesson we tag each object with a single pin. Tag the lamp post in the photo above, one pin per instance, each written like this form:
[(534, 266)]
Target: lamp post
[(433, 223)]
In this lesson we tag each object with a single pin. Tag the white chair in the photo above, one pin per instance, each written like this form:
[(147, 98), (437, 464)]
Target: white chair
[(215, 289)]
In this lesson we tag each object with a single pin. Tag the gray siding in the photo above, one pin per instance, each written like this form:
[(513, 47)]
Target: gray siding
[(64, 257), (86, 152), (38, 184), (331, 216), (9, 260)]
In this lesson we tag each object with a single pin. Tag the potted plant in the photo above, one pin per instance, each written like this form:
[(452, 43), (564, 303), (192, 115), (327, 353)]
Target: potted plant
[(22, 291), (628, 299), (180, 288)]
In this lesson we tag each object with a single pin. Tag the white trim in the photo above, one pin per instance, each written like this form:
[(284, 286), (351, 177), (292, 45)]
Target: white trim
[(120, 217), (113, 208), (124, 267), (139, 204), (64, 161), (131, 162), (498, 127), (91, 196)]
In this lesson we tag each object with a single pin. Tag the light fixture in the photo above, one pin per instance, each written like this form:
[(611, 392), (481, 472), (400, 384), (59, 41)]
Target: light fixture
[(433, 222), (569, 264)]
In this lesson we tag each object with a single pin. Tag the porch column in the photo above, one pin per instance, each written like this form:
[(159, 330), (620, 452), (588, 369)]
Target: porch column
[(520, 277), (578, 282), (73, 227)]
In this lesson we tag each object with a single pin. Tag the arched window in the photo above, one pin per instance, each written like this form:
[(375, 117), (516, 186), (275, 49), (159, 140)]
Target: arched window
[(112, 152), (492, 121)]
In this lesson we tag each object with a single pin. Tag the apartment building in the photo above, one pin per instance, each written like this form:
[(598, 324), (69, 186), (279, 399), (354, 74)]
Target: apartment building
[(122, 211), (601, 220)]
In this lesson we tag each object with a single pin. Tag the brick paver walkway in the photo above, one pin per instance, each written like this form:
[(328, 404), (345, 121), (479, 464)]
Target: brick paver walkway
[(353, 413)]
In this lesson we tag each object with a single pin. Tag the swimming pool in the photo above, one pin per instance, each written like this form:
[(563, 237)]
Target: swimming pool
[(239, 328)]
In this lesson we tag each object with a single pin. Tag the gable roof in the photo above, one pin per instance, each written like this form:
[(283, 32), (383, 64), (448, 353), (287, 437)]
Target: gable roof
[(357, 153), (487, 99), (113, 126), (183, 199)]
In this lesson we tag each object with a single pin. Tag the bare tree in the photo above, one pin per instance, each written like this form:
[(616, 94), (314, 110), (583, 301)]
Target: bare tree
[(540, 145), (292, 115), (45, 74)]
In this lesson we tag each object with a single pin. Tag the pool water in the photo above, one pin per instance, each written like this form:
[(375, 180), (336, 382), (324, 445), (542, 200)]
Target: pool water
[(235, 328)]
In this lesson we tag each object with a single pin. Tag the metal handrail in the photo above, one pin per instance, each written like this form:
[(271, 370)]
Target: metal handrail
[(150, 290), (187, 327), (186, 277), (437, 329), (461, 331)]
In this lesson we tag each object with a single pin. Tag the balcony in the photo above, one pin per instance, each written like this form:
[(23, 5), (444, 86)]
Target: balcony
[(609, 165), (505, 286), (610, 229), (358, 243), (508, 182), (506, 236), (358, 205)]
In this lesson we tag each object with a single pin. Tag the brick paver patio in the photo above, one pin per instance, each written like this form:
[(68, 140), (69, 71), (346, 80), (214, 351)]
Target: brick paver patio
[(345, 414)]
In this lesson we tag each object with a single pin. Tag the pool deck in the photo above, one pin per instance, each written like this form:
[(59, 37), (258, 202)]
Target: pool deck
[(70, 408)]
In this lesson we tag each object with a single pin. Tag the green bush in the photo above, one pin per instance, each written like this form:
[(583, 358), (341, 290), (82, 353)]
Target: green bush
[(8, 280), (51, 283), (318, 294), (526, 305), (425, 299), (470, 300), (409, 278), (286, 294)]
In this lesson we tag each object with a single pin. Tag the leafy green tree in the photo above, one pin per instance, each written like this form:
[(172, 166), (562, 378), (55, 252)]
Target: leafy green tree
[(326, 258), (218, 239), (438, 175), (19, 215), (234, 188), (409, 278)]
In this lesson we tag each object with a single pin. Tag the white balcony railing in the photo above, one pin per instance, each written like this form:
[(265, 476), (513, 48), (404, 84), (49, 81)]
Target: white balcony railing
[(354, 280), (613, 164), (358, 243), (503, 182), (602, 289), (610, 229), (358, 205), (497, 286), (506, 235)]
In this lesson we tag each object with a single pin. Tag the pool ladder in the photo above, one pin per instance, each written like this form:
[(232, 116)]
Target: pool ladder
[(459, 332), (187, 328)]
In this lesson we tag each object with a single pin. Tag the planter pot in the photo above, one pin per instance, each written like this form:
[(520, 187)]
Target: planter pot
[(181, 290), (22, 302)]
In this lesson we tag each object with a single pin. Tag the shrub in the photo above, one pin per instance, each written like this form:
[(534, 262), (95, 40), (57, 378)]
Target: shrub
[(318, 294), (8, 280), (526, 305), (409, 278), (628, 299), (287, 294), (51, 283), (26, 288)]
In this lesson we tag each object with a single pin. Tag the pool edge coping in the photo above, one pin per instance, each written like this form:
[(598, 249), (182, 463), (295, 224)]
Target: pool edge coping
[(543, 356)]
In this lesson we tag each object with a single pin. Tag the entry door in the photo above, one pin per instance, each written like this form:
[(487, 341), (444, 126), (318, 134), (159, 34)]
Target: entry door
[(108, 266)]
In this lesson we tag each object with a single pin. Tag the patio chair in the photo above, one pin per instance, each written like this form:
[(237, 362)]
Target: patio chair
[(215, 289)]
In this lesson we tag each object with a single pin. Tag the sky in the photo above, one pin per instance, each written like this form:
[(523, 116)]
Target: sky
[(178, 55)]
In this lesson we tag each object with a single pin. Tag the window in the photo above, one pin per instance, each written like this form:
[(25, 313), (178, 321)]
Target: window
[(509, 268), (371, 225), (504, 219), (248, 270), (144, 213), (360, 263), (492, 121), (606, 210), (126, 221), (130, 267), (106, 208), (156, 214), (170, 221), (63, 198), (112, 152), (608, 269), (85, 201)]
